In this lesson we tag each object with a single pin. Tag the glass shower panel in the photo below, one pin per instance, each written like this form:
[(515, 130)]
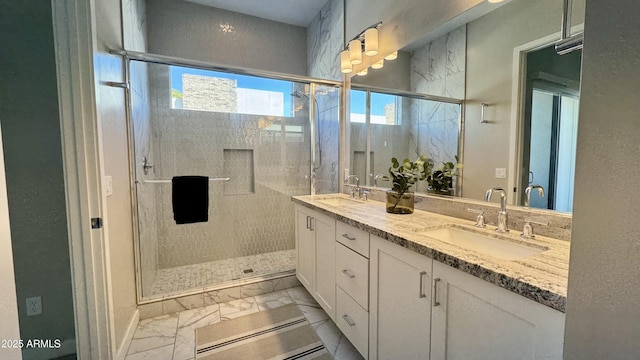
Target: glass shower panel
[(247, 129), (327, 120)]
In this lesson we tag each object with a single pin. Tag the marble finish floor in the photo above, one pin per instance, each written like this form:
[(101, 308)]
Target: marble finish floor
[(172, 337), (189, 277)]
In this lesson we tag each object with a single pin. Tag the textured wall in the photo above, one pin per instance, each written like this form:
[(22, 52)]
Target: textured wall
[(34, 174), (603, 303), (192, 31), (325, 41), (135, 38), (438, 68), (241, 222)]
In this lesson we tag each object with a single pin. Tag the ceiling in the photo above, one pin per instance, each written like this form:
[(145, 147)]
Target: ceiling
[(295, 12)]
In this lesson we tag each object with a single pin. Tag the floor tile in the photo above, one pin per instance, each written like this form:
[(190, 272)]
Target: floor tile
[(154, 333), (161, 353), (273, 300), (235, 308)]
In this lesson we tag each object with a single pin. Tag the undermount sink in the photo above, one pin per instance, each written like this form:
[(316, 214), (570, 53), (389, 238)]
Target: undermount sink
[(340, 201), (502, 249)]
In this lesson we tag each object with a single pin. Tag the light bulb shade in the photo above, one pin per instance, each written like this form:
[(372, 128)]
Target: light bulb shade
[(363, 72), (345, 63), (378, 64), (355, 52), (392, 56), (371, 42)]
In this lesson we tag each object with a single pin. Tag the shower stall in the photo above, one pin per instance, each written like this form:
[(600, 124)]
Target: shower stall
[(259, 137)]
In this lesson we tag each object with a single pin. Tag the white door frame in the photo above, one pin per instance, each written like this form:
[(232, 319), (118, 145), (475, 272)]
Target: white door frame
[(10, 329), (74, 37)]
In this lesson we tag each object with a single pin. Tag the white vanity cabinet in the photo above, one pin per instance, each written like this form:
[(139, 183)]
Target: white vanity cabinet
[(400, 302), (352, 285), (473, 319), (315, 245)]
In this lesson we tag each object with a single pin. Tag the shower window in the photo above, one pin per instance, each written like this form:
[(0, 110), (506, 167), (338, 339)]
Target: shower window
[(206, 90), (382, 109)]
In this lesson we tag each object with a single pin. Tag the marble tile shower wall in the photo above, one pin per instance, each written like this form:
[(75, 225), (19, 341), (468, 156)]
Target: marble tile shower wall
[(328, 138), (438, 69), (325, 41), (240, 224), (135, 38)]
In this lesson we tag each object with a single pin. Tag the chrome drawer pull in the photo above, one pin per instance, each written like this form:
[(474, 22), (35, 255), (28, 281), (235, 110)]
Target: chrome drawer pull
[(435, 292), (348, 320), (352, 238), (308, 220), (422, 274), (348, 273)]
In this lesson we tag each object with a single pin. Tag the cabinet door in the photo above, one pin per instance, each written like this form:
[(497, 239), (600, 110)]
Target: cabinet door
[(324, 230), (305, 249), (400, 308), (474, 319)]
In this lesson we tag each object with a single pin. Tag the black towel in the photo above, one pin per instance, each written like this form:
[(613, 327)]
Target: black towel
[(190, 199)]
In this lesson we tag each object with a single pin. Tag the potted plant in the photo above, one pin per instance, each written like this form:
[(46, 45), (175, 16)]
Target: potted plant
[(441, 181), (404, 175)]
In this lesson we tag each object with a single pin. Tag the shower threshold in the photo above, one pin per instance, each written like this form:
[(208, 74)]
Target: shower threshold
[(223, 273)]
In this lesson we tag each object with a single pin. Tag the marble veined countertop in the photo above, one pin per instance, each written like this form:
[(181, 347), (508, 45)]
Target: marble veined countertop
[(541, 277)]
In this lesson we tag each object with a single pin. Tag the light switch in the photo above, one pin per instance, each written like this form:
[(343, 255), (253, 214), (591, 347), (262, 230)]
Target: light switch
[(108, 185), (501, 173)]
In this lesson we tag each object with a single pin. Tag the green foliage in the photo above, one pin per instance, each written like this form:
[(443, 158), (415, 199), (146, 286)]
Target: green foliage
[(442, 179), (404, 175)]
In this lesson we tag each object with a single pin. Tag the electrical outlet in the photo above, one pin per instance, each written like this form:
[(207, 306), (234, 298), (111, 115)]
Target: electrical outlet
[(34, 306), (501, 173)]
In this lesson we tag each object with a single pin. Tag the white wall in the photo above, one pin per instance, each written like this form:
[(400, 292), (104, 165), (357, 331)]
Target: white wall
[(191, 31), (603, 303)]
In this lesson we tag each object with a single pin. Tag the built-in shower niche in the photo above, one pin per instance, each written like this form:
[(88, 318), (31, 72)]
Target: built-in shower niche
[(239, 168)]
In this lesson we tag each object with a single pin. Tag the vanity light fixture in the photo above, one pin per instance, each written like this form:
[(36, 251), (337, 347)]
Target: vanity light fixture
[(378, 64), (495, 1), (345, 62), (371, 41), (355, 51), (392, 56)]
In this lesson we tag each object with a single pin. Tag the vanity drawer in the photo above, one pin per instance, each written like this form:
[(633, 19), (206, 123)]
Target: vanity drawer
[(353, 321), (353, 238), (352, 274)]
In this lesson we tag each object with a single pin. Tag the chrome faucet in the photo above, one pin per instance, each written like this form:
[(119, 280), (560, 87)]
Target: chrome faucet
[(375, 179), (357, 188), (527, 192), (502, 214)]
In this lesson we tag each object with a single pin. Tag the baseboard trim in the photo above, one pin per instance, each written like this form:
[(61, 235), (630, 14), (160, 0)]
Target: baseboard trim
[(128, 336)]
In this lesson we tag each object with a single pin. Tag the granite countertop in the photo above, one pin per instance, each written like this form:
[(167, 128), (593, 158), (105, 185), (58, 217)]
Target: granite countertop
[(541, 277)]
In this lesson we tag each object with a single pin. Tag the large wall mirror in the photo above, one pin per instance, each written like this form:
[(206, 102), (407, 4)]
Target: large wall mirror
[(487, 87)]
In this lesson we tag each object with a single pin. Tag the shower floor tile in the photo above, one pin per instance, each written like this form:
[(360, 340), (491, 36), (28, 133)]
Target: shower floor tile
[(189, 277)]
